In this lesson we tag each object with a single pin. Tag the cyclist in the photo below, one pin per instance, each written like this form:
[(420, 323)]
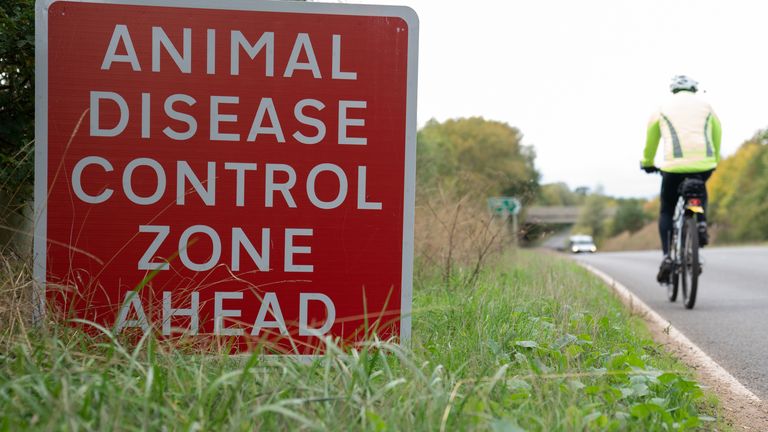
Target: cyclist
[(691, 133)]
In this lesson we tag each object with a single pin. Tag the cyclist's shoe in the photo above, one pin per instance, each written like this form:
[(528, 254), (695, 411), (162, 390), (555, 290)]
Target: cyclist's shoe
[(665, 269), (703, 234), (701, 263)]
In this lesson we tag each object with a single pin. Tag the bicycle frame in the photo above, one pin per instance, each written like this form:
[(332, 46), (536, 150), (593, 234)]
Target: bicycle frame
[(690, 207), (677, 229)]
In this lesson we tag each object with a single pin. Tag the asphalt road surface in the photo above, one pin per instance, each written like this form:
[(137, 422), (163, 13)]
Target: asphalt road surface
[(730, 319)]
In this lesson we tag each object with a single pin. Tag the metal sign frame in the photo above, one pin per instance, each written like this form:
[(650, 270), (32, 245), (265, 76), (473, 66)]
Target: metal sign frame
[(41, 191)]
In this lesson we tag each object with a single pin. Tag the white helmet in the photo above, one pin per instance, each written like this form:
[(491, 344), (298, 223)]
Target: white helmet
[(682, 82)]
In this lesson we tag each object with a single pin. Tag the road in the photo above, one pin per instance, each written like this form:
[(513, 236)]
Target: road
[(730, 319), (558, 240)]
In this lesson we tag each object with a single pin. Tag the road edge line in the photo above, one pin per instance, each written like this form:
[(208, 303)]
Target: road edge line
[(706, 363)]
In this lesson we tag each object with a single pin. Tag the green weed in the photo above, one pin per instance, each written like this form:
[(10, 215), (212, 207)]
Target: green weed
[(538, 344)]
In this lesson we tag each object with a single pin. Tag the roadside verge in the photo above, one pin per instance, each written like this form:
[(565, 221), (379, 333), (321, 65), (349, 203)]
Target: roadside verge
[(743, 408)]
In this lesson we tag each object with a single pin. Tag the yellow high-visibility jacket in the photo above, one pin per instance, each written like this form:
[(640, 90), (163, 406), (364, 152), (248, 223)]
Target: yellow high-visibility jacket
[(691, 133)]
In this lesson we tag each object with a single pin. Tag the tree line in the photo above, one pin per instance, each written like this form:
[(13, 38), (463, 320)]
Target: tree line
[(738, 193)]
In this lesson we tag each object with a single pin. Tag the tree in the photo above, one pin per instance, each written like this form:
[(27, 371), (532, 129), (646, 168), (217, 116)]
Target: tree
[(476, 155), (592, 219), (558, 194), (582, 191), (17, 101), (629, 216)]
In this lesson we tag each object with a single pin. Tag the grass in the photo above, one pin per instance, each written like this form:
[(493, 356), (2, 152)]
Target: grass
[(647, 238), (537, 344)]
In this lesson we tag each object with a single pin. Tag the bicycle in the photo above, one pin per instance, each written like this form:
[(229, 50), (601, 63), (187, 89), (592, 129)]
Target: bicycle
[(684, 245)]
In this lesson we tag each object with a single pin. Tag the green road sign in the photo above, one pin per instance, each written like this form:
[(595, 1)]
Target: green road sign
[(504, 206)]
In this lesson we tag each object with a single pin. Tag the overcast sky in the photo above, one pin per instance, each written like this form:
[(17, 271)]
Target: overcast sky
[(581, 78)]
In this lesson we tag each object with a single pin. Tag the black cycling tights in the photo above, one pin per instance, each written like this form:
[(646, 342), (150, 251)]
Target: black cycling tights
[(670, 183)]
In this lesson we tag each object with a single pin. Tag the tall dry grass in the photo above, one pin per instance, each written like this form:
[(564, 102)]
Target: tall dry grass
[(646, 238), (456, 236), (16, 228), (16, 297)]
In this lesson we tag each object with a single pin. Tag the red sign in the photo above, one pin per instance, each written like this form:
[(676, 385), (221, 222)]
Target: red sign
[(237, 171)]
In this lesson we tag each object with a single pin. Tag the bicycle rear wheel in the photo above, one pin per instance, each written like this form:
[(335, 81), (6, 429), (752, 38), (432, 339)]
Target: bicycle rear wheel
[(690, 266), (674, 283)]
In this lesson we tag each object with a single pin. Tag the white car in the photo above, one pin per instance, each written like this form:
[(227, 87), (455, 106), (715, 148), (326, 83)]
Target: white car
[(581, 243)]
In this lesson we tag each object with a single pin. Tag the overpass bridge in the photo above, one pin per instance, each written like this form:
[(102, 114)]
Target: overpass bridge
[(552, 215), (558, 214)]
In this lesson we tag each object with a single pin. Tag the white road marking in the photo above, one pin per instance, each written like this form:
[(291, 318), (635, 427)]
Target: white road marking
[(708, 365)]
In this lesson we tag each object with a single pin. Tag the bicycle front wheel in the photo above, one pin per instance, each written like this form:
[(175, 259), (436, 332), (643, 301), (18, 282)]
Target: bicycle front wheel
[(690, 266)]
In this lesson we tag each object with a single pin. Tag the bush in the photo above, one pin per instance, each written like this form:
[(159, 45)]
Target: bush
[(17, 95)]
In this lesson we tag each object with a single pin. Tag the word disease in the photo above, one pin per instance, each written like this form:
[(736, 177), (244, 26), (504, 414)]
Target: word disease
[(97, 179)]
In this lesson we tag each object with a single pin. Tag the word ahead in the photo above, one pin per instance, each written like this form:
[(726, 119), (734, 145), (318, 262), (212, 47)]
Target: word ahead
[(238, 170)]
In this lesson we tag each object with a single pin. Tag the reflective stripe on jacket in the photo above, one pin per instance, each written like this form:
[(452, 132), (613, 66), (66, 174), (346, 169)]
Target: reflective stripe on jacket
[(691, 133)]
